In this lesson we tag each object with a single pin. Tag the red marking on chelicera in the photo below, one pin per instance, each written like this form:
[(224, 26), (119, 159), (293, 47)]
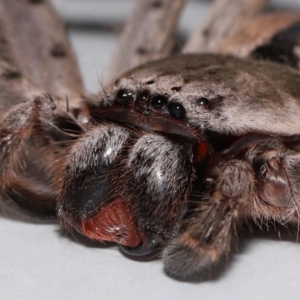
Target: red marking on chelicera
[(113, 223), (200, 153)]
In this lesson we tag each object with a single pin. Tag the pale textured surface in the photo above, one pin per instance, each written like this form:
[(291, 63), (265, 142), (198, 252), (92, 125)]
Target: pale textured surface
[(38, 262)]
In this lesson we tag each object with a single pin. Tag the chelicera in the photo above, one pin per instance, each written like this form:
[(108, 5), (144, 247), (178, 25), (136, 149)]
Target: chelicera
[(176, 152)]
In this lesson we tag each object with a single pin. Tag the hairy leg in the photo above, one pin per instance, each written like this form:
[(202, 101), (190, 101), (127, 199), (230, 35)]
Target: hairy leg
[(156, 22), (31, 135), (277, 168), (265, 187), (39, 46), (224, 18), (206, 234), (35, 59)]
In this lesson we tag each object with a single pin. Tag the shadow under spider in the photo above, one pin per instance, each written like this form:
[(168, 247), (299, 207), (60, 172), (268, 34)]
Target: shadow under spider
[(275, 232), (215, 272)]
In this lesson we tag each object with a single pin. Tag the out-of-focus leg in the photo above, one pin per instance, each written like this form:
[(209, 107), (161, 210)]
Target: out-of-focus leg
[(39, 46), (249, 36), (148, 35), (224, 18)]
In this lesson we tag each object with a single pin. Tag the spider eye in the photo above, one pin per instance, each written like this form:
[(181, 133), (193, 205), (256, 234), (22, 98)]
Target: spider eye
[(124, 97), (143, 96), (159, 101), (203, 102), (176, 110)]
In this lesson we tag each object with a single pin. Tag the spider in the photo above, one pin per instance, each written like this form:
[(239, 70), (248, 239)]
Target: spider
[(177, 151)]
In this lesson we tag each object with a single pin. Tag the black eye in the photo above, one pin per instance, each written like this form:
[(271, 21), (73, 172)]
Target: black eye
[(124, 97), (143, 96), (159, 101), (176, 110)]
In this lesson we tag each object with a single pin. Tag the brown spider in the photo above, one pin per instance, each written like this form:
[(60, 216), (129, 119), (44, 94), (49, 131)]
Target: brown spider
[(176, 152)]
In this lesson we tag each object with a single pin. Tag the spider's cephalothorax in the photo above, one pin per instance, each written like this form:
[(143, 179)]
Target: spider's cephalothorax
[(175, 153)]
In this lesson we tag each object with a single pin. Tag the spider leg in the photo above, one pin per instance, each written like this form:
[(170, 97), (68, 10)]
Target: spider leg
[(248, 40), (39, 46), (276, 164), (156, 22), (265, 187), (234, 27), (223, 19), (14, 87), (31, 136), (207, 233), (35, 59)]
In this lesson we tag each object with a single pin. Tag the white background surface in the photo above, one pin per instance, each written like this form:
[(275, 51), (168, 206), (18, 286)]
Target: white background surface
[(40, 262)]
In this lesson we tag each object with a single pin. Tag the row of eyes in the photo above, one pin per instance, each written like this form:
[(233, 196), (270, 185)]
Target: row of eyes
[(158, 102)]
